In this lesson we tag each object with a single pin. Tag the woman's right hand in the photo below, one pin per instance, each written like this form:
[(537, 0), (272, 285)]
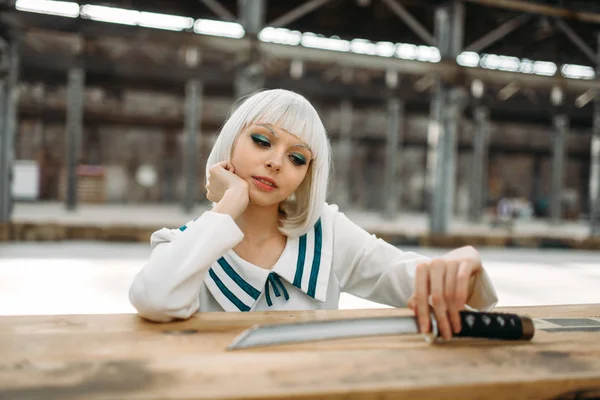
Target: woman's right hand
[(227, 189)]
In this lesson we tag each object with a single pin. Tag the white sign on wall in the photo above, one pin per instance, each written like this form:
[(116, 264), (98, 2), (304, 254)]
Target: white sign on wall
[(26, 178)]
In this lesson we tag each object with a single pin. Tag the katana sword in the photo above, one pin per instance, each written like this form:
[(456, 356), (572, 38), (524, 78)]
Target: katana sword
[(489, 325)]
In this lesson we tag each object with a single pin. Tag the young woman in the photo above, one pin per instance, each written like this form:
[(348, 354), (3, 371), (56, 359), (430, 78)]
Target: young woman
[(271, 242)]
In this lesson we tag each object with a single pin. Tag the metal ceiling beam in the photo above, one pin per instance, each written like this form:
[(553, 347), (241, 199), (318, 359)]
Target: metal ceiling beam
[(446, 70), (576, 39), (409, 20), (296, 13), (125, 70), (498, 33), (528, 7), (219, 10), (516, 110)]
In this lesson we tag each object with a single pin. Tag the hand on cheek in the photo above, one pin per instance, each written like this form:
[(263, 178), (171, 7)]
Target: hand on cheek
[(221, 179)]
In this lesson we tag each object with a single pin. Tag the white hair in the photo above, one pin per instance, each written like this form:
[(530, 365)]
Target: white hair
[(294, 114)]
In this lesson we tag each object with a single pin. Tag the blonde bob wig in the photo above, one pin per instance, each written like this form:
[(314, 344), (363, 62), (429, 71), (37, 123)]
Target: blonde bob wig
[(294, 114)]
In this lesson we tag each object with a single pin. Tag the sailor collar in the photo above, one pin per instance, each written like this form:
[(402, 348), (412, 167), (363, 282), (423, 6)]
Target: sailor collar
[(305, 263)]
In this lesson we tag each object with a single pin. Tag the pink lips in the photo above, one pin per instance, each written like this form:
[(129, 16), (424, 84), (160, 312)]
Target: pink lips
[(262, 185)]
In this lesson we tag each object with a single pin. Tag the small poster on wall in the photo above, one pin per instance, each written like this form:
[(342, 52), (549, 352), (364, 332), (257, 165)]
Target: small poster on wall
[(26, 180)]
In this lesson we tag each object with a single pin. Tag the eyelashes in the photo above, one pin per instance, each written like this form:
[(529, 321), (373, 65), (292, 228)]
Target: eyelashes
[(297, 159), (263, 141), (260, 140)]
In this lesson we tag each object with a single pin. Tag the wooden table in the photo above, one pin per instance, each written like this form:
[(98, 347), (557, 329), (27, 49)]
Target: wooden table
[(125, 357)]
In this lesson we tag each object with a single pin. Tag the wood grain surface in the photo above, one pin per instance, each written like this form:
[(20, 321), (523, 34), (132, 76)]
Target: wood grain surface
[(124, 357)]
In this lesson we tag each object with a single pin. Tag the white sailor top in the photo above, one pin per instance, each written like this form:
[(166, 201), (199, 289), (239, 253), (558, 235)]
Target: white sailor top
[(195, 269)]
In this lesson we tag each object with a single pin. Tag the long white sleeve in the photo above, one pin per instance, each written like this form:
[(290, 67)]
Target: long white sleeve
[(373, 269), (168, 286)]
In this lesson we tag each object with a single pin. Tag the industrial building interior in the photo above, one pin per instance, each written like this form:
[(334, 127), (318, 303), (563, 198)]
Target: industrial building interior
[(452, 124), (467, 122)]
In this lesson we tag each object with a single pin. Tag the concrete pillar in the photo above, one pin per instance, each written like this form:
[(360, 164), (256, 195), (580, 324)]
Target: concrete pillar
[(536, 172), (193, 101), (595, 172), (445, 186), (170, 165), (193, 116), (477, 187), (433, 133), (446, 112), (252, 15), (595, 161), (9, 99), (395, 119), (561, 128), (249, 77), (74, 129), (344, 147)]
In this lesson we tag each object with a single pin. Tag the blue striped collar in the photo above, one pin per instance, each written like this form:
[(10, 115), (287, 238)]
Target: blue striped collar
[(305, 263)]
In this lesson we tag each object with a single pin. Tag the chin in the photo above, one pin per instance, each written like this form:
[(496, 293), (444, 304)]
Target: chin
[(259, 200), (264, 200)]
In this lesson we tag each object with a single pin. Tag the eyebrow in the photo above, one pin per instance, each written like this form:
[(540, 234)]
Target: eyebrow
[(267, 127), (270, 129)]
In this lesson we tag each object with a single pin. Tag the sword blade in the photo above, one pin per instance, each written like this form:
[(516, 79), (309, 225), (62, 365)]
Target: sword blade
[(269, 335)]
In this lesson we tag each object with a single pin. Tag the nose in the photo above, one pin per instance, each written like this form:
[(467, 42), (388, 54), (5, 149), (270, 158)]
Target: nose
[(273, 165)]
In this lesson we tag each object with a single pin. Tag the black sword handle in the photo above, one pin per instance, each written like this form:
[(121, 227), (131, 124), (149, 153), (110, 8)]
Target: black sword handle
[(493, 325)]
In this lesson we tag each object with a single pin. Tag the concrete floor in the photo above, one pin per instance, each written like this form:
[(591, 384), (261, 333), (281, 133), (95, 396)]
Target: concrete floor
[(93, 278)]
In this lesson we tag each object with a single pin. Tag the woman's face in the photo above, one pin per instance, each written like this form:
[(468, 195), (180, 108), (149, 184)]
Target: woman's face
[(272, 161)]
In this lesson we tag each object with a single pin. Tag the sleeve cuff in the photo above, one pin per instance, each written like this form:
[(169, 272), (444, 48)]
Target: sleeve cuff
[(484, 297), (222, 226), (219, 226)]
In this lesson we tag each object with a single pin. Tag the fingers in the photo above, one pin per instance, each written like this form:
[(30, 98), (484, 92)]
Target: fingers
[(421, 296), (453, 305), (221, 164), (226, 165), (209, 192), (216, 180), (446, 283), (438, 300), (229, 167)]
